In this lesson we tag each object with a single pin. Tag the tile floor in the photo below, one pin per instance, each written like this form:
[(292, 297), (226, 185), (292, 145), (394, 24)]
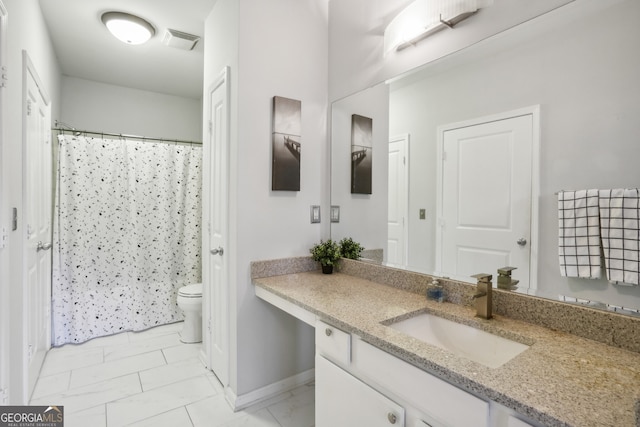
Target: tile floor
[(150, 378)]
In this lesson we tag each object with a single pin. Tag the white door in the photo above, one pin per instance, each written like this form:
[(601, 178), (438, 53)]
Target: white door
[(215, 266), (5, 304), (486, 199), (37, 210), (397, 239)]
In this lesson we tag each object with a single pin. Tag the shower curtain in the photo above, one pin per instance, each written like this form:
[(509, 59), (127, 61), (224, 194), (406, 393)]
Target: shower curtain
[(126, 234)]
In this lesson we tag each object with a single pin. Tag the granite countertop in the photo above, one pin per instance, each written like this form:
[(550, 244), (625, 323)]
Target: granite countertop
[(561, 380)]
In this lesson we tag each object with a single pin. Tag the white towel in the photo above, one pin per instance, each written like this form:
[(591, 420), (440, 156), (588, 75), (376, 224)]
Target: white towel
[(579, 234), (620, 224)]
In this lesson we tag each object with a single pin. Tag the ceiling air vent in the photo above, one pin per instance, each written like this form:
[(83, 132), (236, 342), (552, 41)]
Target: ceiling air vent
[(180, 40)]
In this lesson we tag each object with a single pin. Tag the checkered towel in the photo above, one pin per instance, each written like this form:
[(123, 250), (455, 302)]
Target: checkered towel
[(579, 234), (620, 225)]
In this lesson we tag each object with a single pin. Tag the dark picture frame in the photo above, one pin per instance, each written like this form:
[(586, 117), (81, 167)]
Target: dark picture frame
[(361, 154), (286, 144)]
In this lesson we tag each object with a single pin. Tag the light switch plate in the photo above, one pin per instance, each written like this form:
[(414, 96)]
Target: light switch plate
[(335, 214), (315, 214)]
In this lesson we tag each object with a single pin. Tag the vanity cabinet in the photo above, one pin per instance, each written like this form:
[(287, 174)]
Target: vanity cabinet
[(358, 384)]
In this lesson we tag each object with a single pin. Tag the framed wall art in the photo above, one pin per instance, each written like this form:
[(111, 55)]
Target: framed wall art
[(361, 154), (285, 142)]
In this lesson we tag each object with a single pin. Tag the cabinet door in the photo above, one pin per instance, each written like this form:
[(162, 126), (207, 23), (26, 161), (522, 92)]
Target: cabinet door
[(344, 401)]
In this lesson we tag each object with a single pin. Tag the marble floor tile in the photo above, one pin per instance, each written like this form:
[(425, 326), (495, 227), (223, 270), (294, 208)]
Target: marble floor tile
[(79, 399), (173, 372), (61, 360), (175, 418), (115, 368), (142, 346), (261, 418), (150, 378), (94, 417), (182, 352), (297, 411), (212, 411), (144, 405), (154, 332), (51, 384), (116, 339)]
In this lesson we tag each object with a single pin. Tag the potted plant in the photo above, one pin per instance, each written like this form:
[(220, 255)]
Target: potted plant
[(326, 253), (350, 248)]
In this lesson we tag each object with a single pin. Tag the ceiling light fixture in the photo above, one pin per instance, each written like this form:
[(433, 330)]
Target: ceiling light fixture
[(422, 18), (128, 28)]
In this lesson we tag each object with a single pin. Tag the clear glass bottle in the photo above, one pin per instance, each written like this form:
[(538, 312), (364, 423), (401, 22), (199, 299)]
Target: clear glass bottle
[(435, 292)]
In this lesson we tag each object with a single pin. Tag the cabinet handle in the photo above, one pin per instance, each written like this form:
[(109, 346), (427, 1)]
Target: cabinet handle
[(392, 417), (328, 332)]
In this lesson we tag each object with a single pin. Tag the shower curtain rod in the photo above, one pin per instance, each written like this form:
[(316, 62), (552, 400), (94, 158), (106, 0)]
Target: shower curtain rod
[(120, 135)]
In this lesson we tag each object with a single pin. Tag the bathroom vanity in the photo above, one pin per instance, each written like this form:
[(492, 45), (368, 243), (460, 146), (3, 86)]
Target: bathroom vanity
[(370, 371)]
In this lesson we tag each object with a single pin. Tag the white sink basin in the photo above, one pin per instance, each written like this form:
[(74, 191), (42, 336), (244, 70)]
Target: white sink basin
[(466, 341)]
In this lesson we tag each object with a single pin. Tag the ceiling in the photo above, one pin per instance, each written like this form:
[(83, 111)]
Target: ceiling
[(85, 48)]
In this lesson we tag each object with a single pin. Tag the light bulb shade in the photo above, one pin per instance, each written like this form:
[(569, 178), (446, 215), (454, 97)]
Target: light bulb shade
[(421, 18), (128, 28)]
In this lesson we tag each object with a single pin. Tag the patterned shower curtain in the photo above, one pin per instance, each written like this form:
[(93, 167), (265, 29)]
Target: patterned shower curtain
[(126, 234)]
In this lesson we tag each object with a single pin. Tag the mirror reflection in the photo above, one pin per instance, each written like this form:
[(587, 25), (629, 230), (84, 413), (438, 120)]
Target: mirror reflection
[(554, 104)]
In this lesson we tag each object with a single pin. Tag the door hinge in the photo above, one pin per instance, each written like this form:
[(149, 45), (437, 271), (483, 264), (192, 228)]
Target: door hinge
[(210, 126), (444, 156), (28, 107), (3, 238), (4, 396), (5, 78), (209, 325)]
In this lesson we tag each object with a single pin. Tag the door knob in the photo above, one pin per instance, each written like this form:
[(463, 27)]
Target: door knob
[(392, 417), (43, 247), (522, 241), (217, 251)]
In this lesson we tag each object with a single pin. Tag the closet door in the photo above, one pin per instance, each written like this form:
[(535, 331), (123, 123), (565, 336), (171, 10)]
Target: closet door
[(37, 189)]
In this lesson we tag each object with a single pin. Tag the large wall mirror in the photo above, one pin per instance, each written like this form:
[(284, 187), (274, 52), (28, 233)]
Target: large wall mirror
[(573, 77)]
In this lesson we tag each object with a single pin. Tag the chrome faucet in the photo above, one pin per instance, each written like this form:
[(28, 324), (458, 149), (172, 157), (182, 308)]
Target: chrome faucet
[(484, 300), (504, 278)]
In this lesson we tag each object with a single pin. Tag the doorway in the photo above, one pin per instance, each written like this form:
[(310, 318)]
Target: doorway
[(487, 190)]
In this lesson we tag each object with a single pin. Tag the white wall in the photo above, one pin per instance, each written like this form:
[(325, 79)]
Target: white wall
[(272, 48), (584, 75), (101, 107), (26, 31), (356, 39)]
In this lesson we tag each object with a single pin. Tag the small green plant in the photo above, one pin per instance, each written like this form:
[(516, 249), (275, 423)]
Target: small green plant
[(326, 252), (350, 248)]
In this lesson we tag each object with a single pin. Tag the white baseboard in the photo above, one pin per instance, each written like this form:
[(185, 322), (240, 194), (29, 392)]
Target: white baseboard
[(243, 401)]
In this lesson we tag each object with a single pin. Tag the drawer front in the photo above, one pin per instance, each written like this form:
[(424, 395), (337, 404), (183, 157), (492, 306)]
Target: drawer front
[(333, 343), (344, 401), (436, 398)]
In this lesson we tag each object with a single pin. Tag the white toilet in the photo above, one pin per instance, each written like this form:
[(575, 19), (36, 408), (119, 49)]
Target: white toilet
[(190, 302)]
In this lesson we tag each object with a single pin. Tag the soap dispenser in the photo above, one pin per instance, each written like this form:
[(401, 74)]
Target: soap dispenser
[(435, 291)]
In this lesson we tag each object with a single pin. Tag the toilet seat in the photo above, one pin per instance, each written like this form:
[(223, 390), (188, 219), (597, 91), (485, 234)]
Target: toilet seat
[(191, 291)]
